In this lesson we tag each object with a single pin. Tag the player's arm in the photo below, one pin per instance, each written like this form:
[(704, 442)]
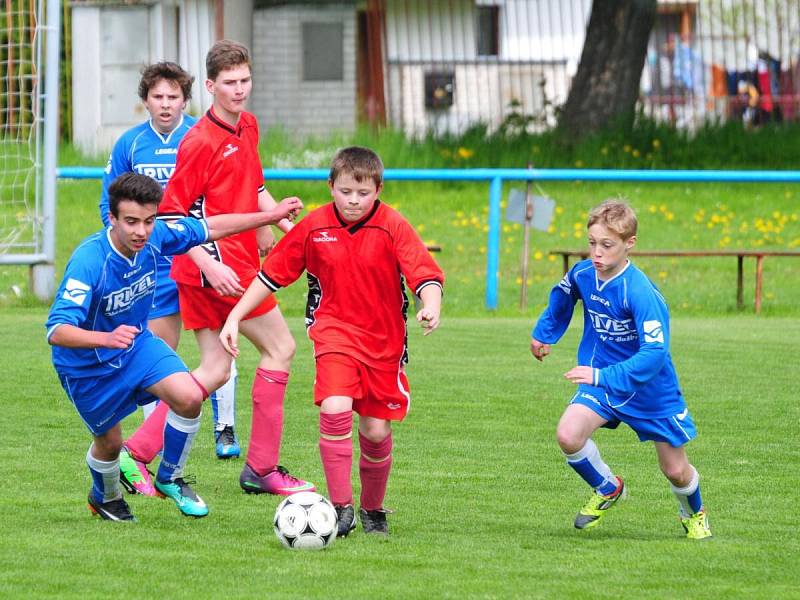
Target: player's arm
[(71, 336), (265, 236), (255, 294), (118, 163), (220, 226), (554, 321), (428, 316)]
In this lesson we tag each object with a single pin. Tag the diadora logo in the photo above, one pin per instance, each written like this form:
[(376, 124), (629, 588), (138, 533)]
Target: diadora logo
[(75, 291), (123, 298), (653, 332), (602, 301), (610, 328), (393, 406), (322, 236), (230, 149), (161, 173)]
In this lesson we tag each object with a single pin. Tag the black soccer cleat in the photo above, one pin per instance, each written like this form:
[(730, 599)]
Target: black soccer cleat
[(374, 521), (113, 510), (345, 520)]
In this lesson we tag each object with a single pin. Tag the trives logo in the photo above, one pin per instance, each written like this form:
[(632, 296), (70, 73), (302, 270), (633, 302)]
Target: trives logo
[(229, 149), (324, 237)]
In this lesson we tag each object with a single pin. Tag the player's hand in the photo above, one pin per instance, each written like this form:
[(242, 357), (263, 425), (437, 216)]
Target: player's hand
[(580, 375), (121, 337), (428, 319), (266, 240), (288, 208), (229, 338), (539, 350), (223, 279)]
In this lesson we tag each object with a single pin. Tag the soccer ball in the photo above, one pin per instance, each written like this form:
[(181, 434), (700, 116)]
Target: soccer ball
[(305, 521)]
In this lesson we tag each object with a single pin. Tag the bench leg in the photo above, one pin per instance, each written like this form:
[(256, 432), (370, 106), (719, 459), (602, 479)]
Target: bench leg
[(739, 282), (759, 278)]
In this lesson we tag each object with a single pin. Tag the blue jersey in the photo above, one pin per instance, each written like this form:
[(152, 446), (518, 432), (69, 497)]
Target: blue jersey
[(102, 289), (142, 149), (625, 338)]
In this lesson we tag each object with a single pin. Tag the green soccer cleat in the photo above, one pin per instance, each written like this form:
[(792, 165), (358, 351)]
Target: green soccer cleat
[(598, 505), (696, 526), (189, 503)]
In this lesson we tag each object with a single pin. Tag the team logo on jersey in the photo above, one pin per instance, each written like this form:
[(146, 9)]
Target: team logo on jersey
[(609, 328), (123, 298), (161, 173), (75, 291), (653, 332), (682, 415), (229, 149), (322, 236)]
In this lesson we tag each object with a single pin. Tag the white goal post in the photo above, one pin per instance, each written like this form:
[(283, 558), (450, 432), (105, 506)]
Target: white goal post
[(29, 138)]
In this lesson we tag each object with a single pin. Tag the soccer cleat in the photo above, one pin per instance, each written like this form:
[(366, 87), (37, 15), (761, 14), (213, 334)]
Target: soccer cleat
[(227, 442), (345, 520), (696, 526), (113, 510), (189, 503), (598, 505), (134, 476), (374, 521), (278, 481)]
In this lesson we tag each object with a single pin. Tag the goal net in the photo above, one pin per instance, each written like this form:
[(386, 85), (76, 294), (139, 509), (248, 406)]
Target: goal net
[(20, 131)]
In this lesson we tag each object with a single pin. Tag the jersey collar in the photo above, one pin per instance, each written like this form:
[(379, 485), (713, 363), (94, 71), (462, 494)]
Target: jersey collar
[(353, 227), (219, 122), (131, 261), (165, 137)]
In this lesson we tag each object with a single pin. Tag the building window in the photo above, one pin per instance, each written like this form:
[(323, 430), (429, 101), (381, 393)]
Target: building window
[(323, 51), (488, 30)]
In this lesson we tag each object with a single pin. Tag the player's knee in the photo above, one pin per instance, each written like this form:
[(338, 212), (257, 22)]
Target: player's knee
[(677, 473), (189, 402), (569, 439), (285, 350)]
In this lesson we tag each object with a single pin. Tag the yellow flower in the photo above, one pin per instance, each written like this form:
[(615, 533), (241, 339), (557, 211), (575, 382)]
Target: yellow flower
[(662, 274), (465, 152), (626, 148), (482, 249), (604, 151), (635, 153), (560, 211), (656, 144), (538, 255), (578, 164), (421, 227)]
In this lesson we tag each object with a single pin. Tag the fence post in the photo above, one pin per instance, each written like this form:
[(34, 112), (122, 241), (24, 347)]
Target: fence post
[(493, 242)]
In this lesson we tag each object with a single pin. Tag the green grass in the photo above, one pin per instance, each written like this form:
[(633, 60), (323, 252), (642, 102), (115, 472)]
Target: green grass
[(484, 502), (454, 215)]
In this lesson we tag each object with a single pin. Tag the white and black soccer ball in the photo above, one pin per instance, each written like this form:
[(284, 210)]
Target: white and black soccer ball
[(305, 521)]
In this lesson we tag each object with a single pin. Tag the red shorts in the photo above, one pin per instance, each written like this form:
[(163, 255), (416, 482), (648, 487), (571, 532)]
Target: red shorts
[(379, 393), (203, 308)]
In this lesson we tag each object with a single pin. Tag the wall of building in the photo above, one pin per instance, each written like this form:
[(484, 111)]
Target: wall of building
[(281, 97)]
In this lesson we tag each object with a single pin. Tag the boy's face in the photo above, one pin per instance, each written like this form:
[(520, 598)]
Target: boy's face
[(133, 226), (353, 199), (231, 89), (165, 102), (608, 251)]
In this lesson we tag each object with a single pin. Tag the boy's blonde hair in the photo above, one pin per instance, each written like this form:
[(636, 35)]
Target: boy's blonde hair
[(226, 54), (359, 162), (616, 215)]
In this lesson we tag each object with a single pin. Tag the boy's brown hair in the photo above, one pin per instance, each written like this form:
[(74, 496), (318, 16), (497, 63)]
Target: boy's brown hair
[(359, 162), (152, 74), (616, 215), (226, 54)]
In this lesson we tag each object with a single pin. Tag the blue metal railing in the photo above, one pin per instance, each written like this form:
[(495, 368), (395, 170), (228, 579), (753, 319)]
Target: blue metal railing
[(496, 177)]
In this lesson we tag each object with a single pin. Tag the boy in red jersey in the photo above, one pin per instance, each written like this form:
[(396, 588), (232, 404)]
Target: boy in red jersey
[(218, 171), (356, 252)]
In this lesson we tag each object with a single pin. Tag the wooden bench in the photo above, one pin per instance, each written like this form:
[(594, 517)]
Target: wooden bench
[(739, 254)]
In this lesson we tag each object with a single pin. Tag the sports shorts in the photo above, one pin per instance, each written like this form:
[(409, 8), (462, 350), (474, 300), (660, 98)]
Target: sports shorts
[(104, 401), (379, 393), (165, 301), (675, 430), (203, 308)]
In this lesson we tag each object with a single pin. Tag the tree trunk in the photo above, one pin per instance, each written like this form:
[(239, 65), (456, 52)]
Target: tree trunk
[(606, 87)]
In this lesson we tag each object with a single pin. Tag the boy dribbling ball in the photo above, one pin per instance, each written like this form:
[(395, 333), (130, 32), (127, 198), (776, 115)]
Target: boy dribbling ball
[(624, 374), (358, 254)]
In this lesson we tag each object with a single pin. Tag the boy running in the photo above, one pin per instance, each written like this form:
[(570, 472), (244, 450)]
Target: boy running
[(218, 170), (107, 360), (624, 373), (356, 252)]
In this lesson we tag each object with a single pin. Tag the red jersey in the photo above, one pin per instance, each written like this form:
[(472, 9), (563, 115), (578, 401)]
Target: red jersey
[(357, 303), (217, 171)]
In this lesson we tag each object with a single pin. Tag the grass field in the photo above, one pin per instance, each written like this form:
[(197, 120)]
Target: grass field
[(484, 502)]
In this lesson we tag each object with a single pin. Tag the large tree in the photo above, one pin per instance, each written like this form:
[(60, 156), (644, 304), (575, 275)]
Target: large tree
[(606, 86)]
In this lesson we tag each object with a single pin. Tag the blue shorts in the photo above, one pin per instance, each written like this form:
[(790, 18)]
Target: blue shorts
[(104, 401), (675, 430), (165, 301)]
